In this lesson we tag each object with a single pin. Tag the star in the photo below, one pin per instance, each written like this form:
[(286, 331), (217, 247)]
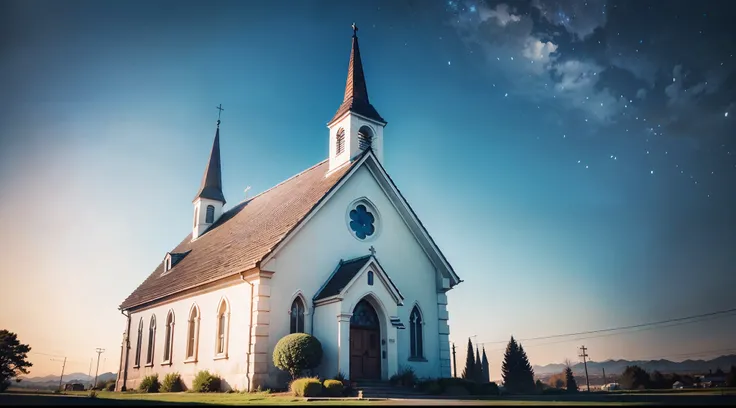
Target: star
[(651, 171), (726, 114), (449, 63)]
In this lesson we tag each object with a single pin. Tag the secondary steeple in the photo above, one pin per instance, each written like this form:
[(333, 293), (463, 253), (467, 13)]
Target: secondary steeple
[(357, 125), (209, 200)]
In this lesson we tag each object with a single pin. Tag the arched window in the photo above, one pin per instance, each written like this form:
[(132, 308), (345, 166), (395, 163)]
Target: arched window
[(210, 216), (415, 333), (365, 137), (193, 333), (340, 141), (139, 344), (297, 316), (169, 339), (223, 316), (151, 340), (370, 278)]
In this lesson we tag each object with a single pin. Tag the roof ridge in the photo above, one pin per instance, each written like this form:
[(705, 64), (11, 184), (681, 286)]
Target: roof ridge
[(288, 179)]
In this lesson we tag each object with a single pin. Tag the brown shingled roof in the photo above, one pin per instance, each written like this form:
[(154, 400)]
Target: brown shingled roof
[(242, 236)]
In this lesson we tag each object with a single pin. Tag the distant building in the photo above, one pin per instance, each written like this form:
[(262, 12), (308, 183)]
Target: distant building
[(74, 387)]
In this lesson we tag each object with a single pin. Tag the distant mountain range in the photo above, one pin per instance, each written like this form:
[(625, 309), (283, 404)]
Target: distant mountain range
[(663, 366), (52, 381)]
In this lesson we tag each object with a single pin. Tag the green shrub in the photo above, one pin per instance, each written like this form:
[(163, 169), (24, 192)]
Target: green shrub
[(172, 383), (149, 384), (486, 389), (405, 377), (339, 377), (297, 352), (4, 385), (206, 382), (432, 387), (333, 388), (110, 386), (306, 387)]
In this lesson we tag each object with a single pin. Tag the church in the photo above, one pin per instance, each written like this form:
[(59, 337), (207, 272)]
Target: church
[(334, 251)]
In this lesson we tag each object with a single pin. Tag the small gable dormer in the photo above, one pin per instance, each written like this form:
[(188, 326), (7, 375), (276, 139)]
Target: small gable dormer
[(357, 125), (171, 259), (209, 201)]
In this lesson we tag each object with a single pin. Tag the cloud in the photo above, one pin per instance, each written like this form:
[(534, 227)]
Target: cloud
[(532, 63), (501, 14), (578, 17), (641, 93), (537, 50)]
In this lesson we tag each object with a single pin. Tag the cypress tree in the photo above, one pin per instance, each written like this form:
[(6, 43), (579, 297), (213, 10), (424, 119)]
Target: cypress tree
[(469, 363), (486, 369), (508, 367), (572, 385), (478, 367)]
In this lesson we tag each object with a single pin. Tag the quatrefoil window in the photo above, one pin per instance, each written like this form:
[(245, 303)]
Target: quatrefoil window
[(362, 221)]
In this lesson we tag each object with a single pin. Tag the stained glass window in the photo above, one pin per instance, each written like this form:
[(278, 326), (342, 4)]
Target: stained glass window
[(415, 333), (193, 332), (364, 316), (297, 316), (361, 222), (139, 344), (169, 339), (151, 340)]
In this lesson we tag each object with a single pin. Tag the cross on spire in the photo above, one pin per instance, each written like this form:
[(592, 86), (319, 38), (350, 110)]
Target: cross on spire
[(355, 30), (372, 250), (218, 113)]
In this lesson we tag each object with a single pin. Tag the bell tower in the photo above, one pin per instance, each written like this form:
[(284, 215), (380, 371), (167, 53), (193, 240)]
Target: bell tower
[(357, 125)]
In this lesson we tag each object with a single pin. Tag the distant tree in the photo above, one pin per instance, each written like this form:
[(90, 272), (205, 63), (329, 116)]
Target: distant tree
[(557, 380), (719, 372), (634, 377), (469, 371), (12, 358), (570, 383), (659, 381), (539, 386), (485, 367), (518, 376), (731, 378)]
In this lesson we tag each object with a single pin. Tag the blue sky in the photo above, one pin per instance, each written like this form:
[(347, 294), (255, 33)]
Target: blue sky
[(108, 113)]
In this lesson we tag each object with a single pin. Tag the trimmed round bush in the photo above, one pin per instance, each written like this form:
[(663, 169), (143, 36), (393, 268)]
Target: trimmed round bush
[(206, 382), (297, 352), (172, 383), (333, 388), (306, 387), (149, 384)]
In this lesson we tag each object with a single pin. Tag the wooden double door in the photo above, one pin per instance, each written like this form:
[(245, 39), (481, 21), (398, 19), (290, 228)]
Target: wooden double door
[(365, 353)]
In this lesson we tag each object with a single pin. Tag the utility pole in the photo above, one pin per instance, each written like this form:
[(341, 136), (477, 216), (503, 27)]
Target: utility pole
[(585, 364), (99, 351), (62, 371), (454, 361)]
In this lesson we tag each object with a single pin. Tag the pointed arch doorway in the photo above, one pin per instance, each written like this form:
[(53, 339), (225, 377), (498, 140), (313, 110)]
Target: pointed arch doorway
[(365, 343)]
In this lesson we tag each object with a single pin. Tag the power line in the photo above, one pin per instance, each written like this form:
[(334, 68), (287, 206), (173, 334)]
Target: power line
[(721, 313), (616, 333)]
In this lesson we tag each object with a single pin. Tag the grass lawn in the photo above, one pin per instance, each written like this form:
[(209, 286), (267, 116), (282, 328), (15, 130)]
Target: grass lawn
[(28, 397)]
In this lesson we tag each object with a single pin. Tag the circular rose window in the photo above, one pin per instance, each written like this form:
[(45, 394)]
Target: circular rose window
[(362, 220)]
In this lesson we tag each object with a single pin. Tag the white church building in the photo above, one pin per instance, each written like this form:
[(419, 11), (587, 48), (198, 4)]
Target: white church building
[(334, 251)]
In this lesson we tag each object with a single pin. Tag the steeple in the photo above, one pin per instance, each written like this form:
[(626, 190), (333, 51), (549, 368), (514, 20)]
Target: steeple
[(209, 200), (211, 186), (356, 125), (356, 91)]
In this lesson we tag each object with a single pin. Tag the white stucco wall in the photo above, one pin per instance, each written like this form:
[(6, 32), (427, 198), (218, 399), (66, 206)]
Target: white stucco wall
[(313, 253), (232, 369)]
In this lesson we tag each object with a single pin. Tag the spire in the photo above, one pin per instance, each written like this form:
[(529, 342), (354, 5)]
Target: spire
[(212, 181), (484, 365), (356, 91)]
